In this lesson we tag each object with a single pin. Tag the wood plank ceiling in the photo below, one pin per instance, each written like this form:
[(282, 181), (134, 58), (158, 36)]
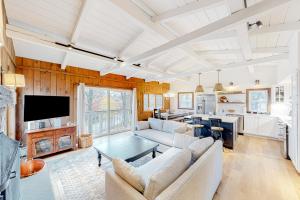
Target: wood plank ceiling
[(108, 28)]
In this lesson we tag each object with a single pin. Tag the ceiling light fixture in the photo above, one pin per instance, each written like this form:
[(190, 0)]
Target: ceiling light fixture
[(199, 88), (218, 86), (258, 24)]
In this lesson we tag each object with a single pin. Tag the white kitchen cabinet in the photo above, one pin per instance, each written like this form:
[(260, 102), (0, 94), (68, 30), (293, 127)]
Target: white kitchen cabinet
[(268, 126), (250, 124), (262, 125)]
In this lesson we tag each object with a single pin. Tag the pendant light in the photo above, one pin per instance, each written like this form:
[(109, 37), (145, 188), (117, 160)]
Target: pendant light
[(218, 86), (199, 88)]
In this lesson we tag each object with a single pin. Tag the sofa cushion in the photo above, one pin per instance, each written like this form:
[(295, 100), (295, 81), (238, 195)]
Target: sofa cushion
[(142, 125), (170, 126), (155, 124), (157, 136), (154, 165), (199, 147), (167, 174), (183, 141), (129, 174)]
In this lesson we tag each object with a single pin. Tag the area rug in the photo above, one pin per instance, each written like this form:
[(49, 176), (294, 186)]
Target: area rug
[(76, 176)]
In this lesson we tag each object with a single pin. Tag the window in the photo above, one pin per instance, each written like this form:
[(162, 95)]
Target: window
[(258, 100), (153, 101), (185, 100), (107, 110)]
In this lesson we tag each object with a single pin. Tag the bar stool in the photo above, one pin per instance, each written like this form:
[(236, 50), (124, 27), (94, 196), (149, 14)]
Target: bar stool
[(197, 125), (188, 119), (216, 129)]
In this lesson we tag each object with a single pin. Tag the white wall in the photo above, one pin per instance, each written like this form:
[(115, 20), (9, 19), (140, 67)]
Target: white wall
[(241, 77), (294, 135)]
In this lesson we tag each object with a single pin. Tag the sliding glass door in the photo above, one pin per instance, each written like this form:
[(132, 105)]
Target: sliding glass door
[(107, 111)]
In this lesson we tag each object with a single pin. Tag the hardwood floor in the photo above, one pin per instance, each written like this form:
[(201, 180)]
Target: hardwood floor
[(256, 170)]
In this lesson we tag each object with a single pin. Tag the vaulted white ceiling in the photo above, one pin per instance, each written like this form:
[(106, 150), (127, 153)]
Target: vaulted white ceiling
[(151, 33)]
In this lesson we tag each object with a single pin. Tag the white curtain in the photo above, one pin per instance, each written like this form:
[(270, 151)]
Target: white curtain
[(134, 109), (80, 109)]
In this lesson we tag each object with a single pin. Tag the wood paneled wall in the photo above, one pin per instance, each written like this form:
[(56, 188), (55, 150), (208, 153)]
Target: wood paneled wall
[(44, 78), (7, 60)]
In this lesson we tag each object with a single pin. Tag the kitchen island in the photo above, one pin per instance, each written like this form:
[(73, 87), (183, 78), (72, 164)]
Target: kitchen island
[(229, 124)]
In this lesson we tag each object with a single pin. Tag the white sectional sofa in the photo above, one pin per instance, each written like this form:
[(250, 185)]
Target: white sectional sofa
[(161, 131), (190, 170)]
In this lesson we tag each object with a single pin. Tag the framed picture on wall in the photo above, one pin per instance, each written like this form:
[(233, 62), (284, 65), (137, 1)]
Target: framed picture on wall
[(186, 100)]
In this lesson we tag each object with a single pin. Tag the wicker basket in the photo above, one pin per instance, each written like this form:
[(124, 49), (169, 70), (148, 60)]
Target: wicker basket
[(85, 140)]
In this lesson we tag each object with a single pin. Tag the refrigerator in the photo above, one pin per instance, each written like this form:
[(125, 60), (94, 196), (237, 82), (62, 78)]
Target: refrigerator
[(206, 104)]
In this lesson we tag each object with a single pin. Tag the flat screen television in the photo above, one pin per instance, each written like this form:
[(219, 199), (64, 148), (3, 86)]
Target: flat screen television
[(45, 107)]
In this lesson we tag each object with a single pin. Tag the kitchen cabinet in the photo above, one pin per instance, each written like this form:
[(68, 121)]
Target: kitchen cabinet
[(282, 93), (279, 94), (262, 125), (250, 124)]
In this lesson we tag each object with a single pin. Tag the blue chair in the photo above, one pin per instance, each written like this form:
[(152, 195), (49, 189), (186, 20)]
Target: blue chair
[(197, 125), (216, 129)]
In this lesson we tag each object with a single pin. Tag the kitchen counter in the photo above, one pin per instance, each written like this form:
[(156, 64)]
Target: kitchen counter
[(229, 124), (222, 117), (286, 119)]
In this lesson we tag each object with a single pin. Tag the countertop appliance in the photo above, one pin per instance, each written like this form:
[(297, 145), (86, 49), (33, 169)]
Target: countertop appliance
[(206, 104)]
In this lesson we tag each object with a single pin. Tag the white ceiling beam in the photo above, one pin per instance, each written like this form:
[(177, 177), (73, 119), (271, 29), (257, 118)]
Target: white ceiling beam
[(238, 51), (290, 26), (184, 10), (222, 24), (63, 64), (138, 15), (218, 35), (43, 40), (271, 50), (188, 51), (276, 28), (47, 34), (130, 43), (175, 63), (141, 4), (144, 20), (257, 61), (24, 35), (123, 65), (85, 7), (244, 41), (84, 10), (242, 32)]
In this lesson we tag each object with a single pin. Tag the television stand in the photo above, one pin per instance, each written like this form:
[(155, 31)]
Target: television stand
[(47, 141)]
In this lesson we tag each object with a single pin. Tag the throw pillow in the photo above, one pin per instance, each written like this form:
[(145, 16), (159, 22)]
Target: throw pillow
[(199, 147), (170, 126), (183, 141), (129, 174), (155, 124), (182, 129), (167, 175), (142, 125)]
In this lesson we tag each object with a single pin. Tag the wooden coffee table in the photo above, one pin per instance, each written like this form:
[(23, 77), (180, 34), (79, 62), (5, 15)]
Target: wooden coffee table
[(128, 148)]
